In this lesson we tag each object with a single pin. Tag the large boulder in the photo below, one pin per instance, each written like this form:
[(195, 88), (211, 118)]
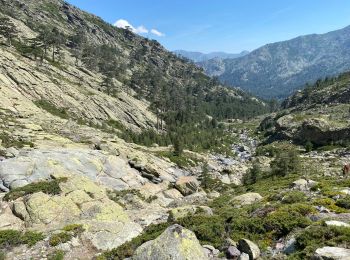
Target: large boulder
[(332, 253), (303, 185), (336, 223), (35, 165), (249, 247), (247, 198), (80, 201), (187, 185), (175, 243)]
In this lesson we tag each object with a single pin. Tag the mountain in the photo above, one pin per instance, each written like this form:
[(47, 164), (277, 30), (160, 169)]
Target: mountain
[(112, 147), (278, 69), (200, 57), (318, 114)]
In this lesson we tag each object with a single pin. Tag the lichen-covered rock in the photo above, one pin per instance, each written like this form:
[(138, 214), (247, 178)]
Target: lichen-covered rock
[(180, 212), (249, 247), (98, 166), (336, 223), (247, 198), (44, 209), (332, 253), (80, 201), (175, 243), (187, 185), (303, 185)]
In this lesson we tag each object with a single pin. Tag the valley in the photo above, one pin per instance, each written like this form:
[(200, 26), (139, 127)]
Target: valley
[(112, 147)]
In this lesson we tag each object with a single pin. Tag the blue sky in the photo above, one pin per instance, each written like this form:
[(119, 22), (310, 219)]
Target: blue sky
[(222, 25)]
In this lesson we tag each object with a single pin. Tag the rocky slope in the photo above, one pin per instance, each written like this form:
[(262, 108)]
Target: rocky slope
[(319, 114), (278, 69)]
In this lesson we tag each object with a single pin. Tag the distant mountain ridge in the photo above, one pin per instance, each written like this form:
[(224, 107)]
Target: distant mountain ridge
[(278, 69), (200, 57)]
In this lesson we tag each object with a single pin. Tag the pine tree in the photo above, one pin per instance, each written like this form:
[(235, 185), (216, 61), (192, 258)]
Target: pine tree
[(8, 29)]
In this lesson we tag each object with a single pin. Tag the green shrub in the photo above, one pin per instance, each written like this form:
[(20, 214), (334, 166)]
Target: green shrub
[(48, 187), (56, 255), (118, 195), (9, 141), (286, 162), (253, 175), (344, 203), (293, 197), (76, 229), (11, 238), (308, 146), (208, 229), (329, 204), (285, 219), (69, 231), (318, 236), (31, 238), (2, 255), (60, 238), (46, 105)]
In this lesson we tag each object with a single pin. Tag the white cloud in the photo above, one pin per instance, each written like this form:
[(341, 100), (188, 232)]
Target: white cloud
[(121, 23), (141, 29), (158, 33)]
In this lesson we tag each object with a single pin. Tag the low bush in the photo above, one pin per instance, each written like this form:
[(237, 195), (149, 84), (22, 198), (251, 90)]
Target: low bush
[(318, 236), (329, 204), (56, 255), (9, 141), (344, 202), (11, 238), (293, 197), (76, 229), (60, 238), (48, 187), (285, 219), (52, 109), (69, 231)]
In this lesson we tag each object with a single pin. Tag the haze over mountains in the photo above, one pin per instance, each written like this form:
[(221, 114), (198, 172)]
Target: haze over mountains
[(200, 57), (278, 69)]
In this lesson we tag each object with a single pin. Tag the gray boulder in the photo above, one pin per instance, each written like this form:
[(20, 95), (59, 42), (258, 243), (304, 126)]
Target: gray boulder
[(247, 198), (250, 248), (175, 243), (332, 253)]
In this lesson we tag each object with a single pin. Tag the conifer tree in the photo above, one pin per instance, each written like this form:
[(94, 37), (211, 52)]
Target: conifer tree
[(8, 29)]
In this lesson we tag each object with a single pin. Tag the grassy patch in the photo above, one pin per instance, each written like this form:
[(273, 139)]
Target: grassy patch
[(294, 197), (184, 160), (68, 232), (9, 141), (52, 109), (48, 187), (56, 255), (60, 238), (118, 195), (11, 238)]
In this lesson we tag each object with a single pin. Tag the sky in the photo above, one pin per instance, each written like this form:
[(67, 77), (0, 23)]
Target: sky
[(221, 25)]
